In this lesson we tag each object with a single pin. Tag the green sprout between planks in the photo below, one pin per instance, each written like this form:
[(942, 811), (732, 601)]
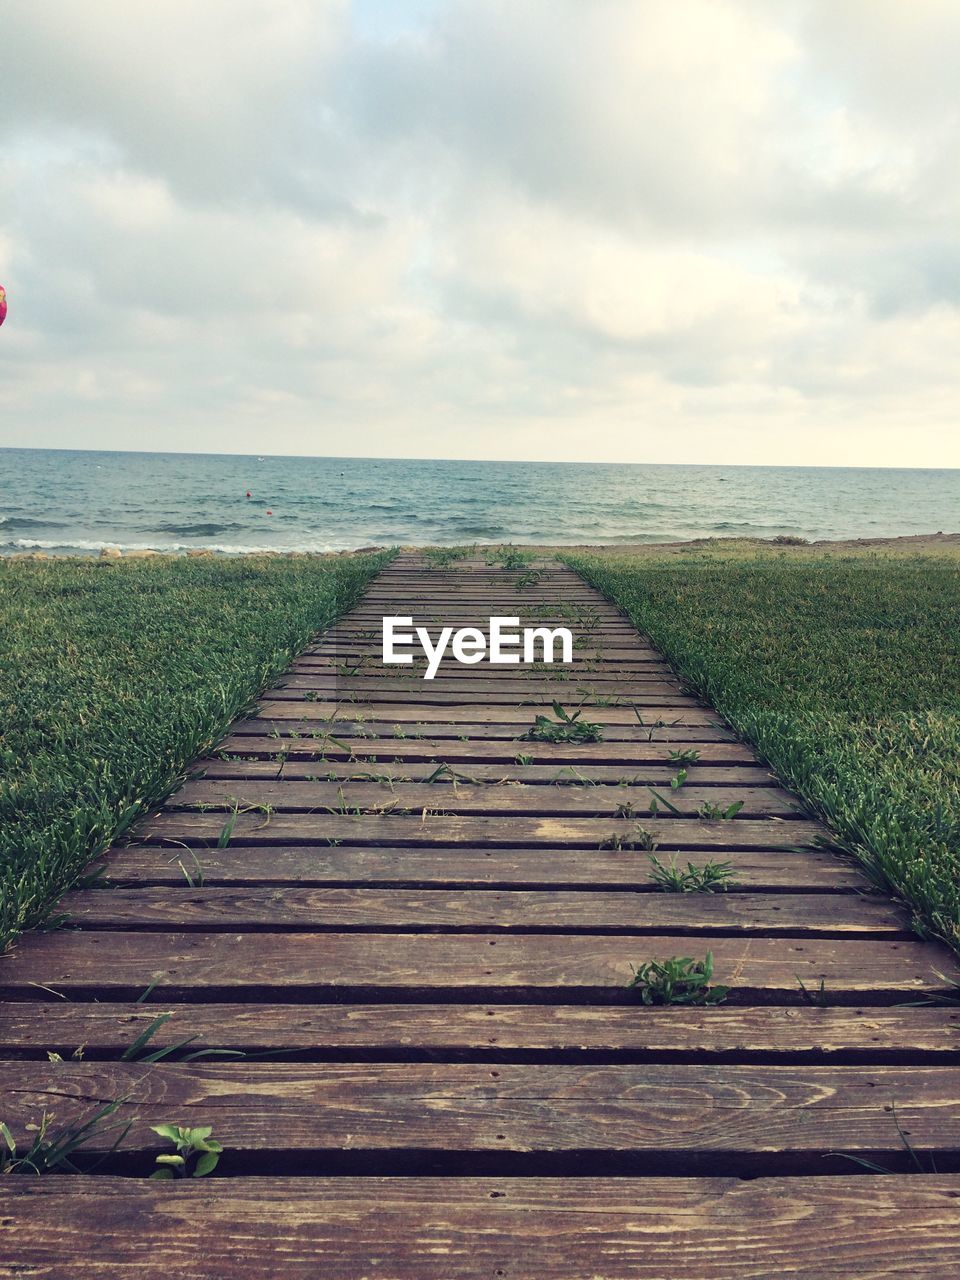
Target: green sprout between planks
[(509, 558), (712, 877), (566, 727), (679, 980), (196, 1154), (53, 1149), (444, 557)]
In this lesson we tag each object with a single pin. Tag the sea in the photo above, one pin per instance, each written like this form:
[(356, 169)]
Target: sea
[(79, 502)]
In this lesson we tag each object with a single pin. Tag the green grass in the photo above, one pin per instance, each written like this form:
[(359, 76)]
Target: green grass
[(678, 980), (114, 675), (52, 1150), (566, 728), (444, 557), (196, 1153), (845, 674), (712, 877), (508, 557)]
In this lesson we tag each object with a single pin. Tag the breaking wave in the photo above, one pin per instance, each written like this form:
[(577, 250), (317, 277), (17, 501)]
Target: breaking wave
[(228, 549)]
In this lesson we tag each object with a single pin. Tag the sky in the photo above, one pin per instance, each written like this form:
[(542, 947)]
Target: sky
[(626, 230)]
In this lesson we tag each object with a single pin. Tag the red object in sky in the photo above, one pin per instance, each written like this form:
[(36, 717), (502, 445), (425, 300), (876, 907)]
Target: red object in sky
[(3, 304)]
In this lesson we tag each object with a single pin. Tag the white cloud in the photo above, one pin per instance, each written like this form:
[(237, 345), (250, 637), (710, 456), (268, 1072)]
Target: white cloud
[(550, 229)]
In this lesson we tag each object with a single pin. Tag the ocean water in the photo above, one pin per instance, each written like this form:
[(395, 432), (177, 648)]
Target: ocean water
[(80, 502)]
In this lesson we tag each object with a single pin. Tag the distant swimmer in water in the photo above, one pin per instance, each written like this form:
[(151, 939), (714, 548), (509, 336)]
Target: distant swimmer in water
[(249, 494)]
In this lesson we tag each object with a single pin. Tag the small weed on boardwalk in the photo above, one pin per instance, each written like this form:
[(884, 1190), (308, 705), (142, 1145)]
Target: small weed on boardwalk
[(509, 558), (679, 980), (566, 728), (714, 812), (197, 1152), (712, 877), (52, 1150), (444, 557), (640, 839)]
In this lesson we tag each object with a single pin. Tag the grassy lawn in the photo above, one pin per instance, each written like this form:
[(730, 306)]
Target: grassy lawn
[(844, 671), (114, 675)]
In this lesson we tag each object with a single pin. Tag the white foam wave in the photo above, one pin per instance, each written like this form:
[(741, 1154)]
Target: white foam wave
[(41, 544)]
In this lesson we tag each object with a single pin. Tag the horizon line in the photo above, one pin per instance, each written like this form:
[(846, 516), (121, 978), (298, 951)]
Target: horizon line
[(551, 462)]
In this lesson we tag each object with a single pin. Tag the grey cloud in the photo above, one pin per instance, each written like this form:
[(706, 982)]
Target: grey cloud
[(244, 217)]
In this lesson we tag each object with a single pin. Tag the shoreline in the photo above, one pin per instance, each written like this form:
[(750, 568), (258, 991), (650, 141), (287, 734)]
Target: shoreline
[(939, 543)]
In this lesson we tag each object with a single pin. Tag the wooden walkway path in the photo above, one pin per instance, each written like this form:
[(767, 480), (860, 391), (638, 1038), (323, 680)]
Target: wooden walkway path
[(443, 1074)]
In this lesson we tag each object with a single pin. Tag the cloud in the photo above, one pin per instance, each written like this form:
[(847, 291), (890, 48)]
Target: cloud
[(480, 228), (635, 113), (196, 93)]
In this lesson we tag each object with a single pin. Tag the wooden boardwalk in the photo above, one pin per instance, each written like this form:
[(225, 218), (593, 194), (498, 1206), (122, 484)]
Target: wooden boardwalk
[(437, 1070)]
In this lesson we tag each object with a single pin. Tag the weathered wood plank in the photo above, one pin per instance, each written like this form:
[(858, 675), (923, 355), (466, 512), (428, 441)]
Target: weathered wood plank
[(602, 675), (555, 775), (483, 582), (494, 911), (490, 799), (875, 1034), (423, 695), (361, 653), (809, 871), (255, 737), (591, 620), (587, 629), (478, 605), (522, 686), (487, 598), (361, 632), (569, 598), (621, 653), (574, 1109), (679, 711), (464, 1228), (468, 966), (669, 736), (416, 829), (586, 658), (487, 679)]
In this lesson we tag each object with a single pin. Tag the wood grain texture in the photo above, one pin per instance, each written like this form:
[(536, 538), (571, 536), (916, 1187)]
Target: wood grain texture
[(566, 677), (518, 688), (460, 796), (682, 712), (489, 910), (252, 737), (809, 871), (374, 695), (668, 736), (431, 828), (381, 1031), (587, 967), (815, 1228), (556, 775), (517, 1108)]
